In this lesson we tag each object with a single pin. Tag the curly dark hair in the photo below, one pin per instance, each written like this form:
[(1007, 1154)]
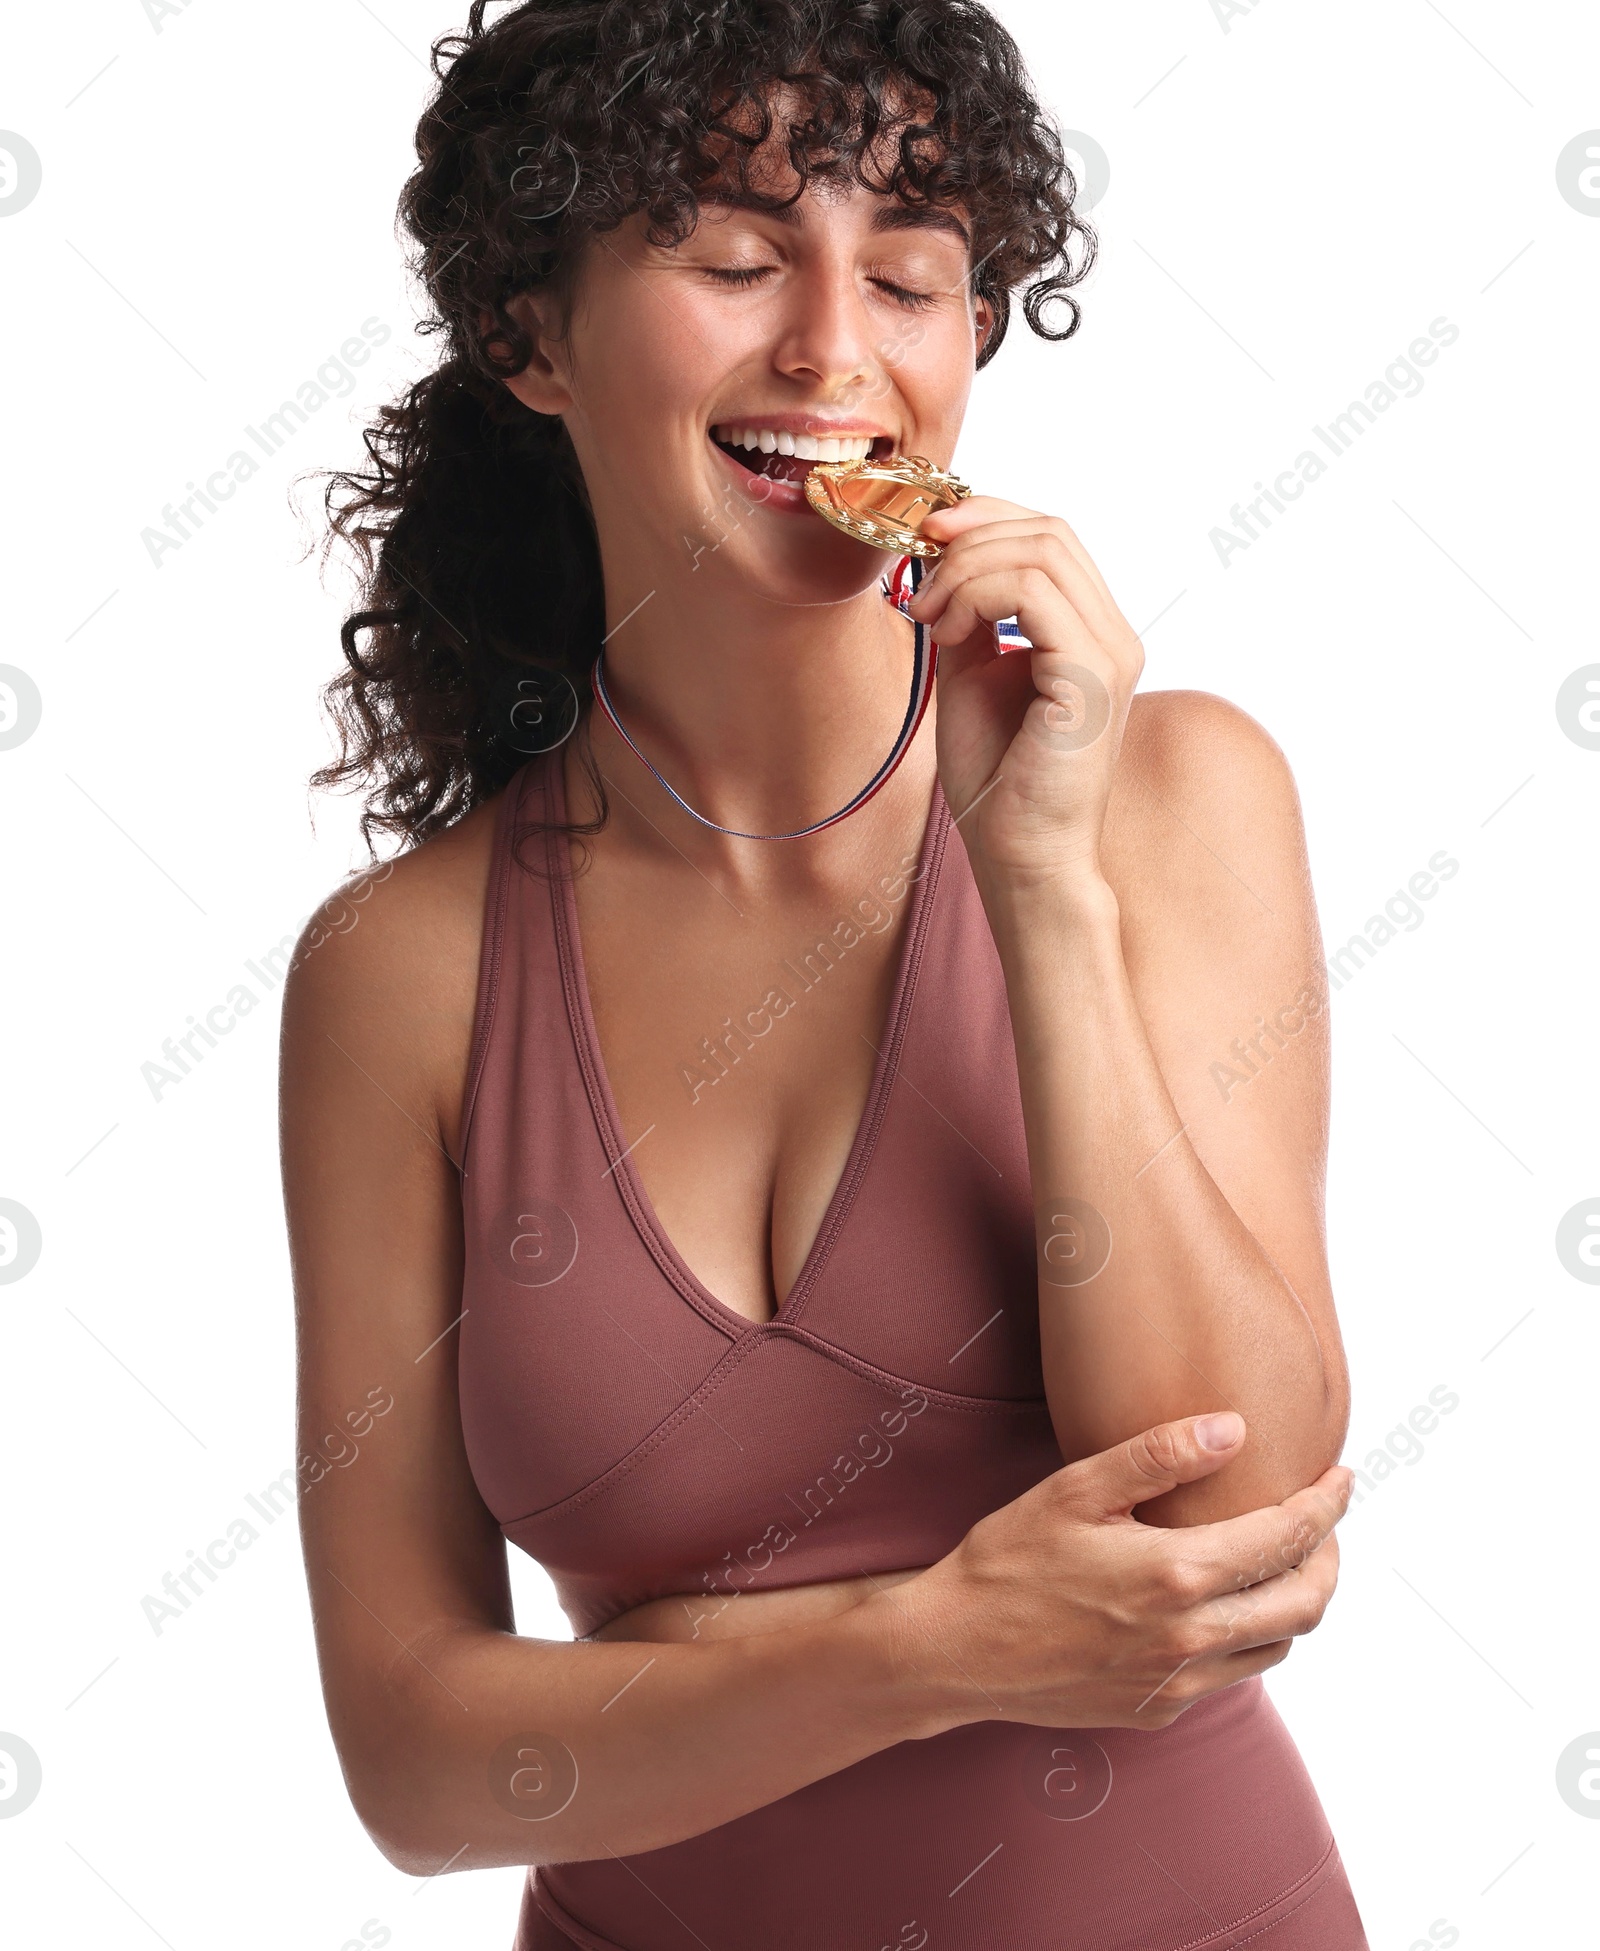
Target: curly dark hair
[(481, 593)]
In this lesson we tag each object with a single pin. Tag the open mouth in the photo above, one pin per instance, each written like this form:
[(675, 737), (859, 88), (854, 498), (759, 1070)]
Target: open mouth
[(776, 456)]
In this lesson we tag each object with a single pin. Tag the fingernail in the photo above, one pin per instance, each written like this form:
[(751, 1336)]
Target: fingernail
[(1219, 1432)]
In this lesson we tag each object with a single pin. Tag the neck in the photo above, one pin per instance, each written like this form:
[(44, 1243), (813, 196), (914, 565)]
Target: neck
[(766, 716)]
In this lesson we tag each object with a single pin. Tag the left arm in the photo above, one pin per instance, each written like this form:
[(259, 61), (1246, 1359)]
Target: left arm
[(1143, 871)]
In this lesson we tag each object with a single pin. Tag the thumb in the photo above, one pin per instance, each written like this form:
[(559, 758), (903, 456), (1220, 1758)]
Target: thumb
[(1154, 1461)]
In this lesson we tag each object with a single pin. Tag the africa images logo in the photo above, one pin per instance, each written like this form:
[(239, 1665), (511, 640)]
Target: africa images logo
[(21, 173)]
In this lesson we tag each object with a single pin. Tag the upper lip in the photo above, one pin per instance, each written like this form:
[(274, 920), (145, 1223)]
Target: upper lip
[(820, 424)]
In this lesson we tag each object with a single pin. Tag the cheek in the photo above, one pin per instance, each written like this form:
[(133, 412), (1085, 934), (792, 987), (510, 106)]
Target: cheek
[(649, 365), (934, 378)]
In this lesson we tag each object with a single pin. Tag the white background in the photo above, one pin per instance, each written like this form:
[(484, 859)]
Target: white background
[(1294, 197)]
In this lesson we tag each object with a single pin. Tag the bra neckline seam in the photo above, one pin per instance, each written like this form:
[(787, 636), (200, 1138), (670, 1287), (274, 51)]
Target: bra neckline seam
[(640, 1208)]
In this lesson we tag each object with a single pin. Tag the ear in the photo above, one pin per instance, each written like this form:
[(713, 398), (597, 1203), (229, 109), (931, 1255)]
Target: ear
[(983, 318), (543, 382)]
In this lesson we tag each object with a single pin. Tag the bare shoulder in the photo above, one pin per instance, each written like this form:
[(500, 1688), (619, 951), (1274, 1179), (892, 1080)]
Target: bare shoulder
[(386, 970), (1202, 750), (1204, 816), (402, 921)]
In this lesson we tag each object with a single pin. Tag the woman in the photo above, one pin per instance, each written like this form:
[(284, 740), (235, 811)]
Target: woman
[(662, 1145)]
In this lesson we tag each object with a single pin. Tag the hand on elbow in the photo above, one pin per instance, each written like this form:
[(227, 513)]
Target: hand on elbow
[(1064, 1610)]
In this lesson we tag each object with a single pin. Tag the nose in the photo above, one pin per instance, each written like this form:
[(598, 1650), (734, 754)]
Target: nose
[(826, 340)]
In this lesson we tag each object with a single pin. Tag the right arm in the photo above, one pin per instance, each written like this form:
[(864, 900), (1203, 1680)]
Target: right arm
[(1059, 1610)]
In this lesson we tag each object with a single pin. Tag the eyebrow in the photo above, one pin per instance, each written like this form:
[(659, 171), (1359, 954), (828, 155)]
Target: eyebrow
[(890, 215)]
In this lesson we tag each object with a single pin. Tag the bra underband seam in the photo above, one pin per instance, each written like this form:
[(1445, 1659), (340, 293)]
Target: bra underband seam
[(745, 1345)]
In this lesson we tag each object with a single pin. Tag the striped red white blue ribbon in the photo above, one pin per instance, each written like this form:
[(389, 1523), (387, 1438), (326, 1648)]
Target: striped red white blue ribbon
[(1008, 632)]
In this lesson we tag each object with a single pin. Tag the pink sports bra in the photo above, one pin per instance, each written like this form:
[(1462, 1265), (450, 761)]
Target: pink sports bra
[(640, 1439)]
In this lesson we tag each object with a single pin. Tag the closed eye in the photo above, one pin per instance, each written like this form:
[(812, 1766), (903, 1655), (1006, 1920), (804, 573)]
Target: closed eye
[(737, 274), (741, 276)]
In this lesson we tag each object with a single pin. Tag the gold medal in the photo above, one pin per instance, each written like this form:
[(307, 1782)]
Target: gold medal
[(884, 502)]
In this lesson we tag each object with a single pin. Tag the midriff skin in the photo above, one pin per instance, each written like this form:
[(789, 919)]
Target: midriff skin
[(691, 1616)]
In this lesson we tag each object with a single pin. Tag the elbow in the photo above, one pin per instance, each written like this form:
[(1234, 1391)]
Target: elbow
[(418, 1806), (421, 1847), (1308, 1441), (402, 1770), (406, 1835), (418, 1856), (1335, 1417), (393, 1775), (397, 1827), (422, 1788)]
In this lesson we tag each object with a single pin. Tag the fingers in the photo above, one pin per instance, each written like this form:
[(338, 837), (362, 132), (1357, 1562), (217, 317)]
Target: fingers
[(1157, 1460), (1038, 539), (997, 517), (977, 511), (1227, 1640), (1026, 570), (1199, 1678), (970, 601), (1236, 1553), (1284, 1607)]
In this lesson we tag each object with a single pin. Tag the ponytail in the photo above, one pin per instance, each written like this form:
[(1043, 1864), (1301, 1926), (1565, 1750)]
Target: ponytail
[(482, 602)]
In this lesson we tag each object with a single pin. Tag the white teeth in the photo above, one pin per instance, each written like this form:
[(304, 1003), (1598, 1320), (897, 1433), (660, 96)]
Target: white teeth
[(804, 447)]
